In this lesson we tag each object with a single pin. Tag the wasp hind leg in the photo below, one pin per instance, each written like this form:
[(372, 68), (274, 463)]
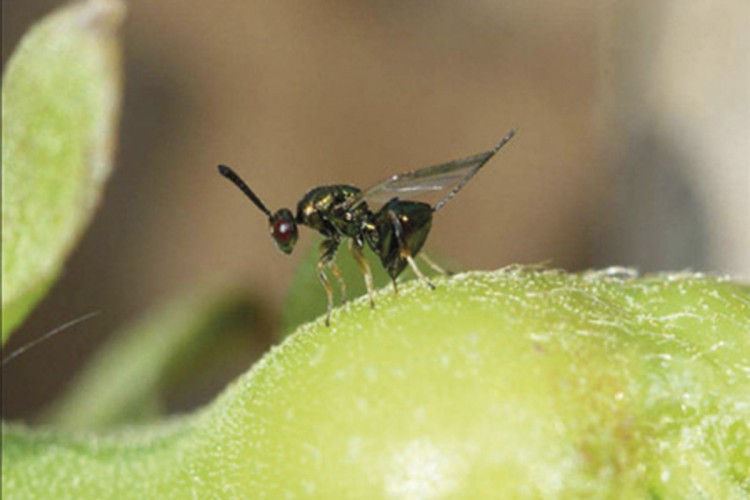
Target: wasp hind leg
[(356, 248), (405, 253), (327, 253), (424, 279), (435, 266)]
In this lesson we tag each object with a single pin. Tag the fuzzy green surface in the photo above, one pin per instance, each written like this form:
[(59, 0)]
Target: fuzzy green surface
[(60, 101), (511, 384)]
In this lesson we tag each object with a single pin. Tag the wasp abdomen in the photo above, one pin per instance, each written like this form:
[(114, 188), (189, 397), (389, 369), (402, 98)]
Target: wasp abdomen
[(398, 230)]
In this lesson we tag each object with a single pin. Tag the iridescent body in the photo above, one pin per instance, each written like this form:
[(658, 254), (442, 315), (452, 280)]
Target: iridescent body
[(396, 231), (325, 209)]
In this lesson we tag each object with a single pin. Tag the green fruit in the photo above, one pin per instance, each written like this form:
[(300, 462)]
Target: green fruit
[(513, 384)]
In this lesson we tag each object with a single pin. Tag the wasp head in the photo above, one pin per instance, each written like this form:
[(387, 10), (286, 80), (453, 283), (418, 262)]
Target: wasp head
[(282, 225), (283, 230)]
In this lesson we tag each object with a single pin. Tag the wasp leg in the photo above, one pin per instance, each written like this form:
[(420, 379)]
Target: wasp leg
[(327, 252), (424, 279), (434, 265), (329, 290), (340, 278), (356, 248), (404, 251)]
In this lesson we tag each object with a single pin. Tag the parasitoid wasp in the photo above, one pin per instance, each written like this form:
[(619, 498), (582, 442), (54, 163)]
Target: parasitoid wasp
[(394, 228)]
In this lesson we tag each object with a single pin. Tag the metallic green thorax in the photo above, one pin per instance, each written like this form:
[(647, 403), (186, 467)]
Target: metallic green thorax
[(324, 209)]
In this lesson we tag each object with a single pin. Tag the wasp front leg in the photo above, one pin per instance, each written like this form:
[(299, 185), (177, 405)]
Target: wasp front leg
[(327, 252)]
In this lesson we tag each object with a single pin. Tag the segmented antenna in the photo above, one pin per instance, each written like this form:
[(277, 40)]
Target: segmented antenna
[(471, 174), (237, 181)]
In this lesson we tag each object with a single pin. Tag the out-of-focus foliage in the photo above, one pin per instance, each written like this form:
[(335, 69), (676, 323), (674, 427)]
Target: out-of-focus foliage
[(127, 379), (60, 106)]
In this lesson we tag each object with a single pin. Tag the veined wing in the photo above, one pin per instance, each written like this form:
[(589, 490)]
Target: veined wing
[(452, 175)]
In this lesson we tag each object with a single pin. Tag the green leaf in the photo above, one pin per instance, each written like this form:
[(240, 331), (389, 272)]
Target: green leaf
[(60, 105), (128, 378), (519, 383)]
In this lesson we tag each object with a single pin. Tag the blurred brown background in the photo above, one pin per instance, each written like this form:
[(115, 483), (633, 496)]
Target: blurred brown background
[(633, 122)]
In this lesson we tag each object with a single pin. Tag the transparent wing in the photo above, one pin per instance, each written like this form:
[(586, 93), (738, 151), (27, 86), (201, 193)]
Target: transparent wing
[(450, 176)]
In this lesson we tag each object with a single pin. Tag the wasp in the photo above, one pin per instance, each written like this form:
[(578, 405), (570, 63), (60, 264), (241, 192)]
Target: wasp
[(394, 228)]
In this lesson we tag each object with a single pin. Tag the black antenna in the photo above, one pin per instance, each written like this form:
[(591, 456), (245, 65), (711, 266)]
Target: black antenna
[(232, 176)]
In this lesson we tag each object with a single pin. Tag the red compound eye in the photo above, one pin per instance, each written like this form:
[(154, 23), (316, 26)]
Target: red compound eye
[(282, 231)]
